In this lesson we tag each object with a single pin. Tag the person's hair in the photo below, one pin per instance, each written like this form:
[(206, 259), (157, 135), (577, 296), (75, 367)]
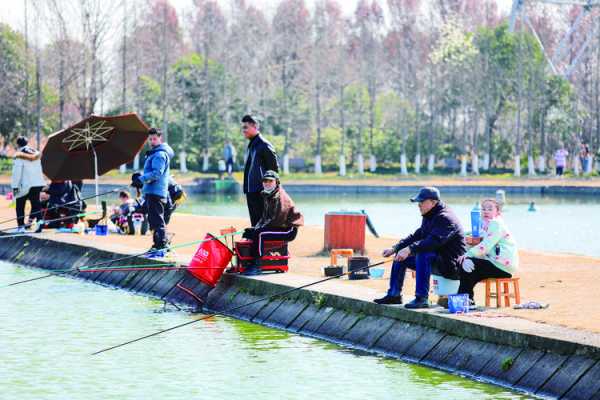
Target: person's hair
[(123, 194), (154, 131), (494, 202), (22, 141), (248, 119)]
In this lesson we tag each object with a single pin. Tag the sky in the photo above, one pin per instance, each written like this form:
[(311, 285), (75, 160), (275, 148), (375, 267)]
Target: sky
[(11, 11)]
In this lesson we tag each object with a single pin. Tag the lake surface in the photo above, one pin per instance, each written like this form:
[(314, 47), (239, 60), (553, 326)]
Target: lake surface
[(50, 327), (560, 224)]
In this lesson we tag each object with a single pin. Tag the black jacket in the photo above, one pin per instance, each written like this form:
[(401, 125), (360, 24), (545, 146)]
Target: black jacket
[(260, 157), (441, 233)]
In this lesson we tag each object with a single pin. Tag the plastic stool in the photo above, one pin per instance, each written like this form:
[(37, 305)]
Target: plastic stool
[(502, 290), (340, 252)]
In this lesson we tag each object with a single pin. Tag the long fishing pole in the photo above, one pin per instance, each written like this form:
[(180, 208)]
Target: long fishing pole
[(62, 272), (80, 215), (229, 310), (73, 202)]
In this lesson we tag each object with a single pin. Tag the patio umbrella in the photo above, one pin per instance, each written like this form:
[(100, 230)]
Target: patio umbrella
[(93, 146)]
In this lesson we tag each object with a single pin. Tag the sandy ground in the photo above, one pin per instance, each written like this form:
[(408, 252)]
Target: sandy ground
[(567, 282)]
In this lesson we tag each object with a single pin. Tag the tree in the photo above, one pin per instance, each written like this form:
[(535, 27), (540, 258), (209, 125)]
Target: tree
[(290, 35), (327, 30), (13, 75), (368, 25), (209, 28)]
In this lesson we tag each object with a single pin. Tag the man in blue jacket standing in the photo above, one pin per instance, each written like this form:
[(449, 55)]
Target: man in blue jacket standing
[(154, 183), (260, 158), (439, 243)]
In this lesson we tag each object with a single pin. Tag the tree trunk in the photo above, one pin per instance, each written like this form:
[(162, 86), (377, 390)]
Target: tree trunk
[(164, 88), (318, 169), (360, 163), (342, 165), (475, 147), (417, 140), (342, 133)]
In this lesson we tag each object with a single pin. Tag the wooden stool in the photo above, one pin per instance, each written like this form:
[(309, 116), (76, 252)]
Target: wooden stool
[(340, 252), (502, 290)]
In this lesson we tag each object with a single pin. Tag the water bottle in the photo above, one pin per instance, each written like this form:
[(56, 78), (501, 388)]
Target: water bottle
[(476, 221), (137, 224)]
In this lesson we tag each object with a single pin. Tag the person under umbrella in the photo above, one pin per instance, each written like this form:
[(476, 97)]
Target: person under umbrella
[(154, 183)]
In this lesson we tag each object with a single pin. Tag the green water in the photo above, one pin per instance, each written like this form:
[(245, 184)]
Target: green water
[(50, 327)]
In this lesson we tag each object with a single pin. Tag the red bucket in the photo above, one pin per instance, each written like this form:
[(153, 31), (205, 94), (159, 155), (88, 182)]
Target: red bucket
[(210, 260)]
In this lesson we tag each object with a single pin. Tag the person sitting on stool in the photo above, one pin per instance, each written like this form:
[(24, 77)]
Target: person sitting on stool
[(440, 240), (280, 220)]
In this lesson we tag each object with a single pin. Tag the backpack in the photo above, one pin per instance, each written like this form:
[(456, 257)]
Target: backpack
[(176, 192)]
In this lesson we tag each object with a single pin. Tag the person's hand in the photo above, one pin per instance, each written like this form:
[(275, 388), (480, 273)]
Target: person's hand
[(403, 254), (248, 233), (468, 265), (388, 252), (136, 181)]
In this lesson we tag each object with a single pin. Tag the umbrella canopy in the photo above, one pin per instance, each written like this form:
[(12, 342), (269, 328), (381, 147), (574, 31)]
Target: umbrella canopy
[(69, 153)]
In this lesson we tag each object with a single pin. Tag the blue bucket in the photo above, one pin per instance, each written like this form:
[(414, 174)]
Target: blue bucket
[(101, 230)]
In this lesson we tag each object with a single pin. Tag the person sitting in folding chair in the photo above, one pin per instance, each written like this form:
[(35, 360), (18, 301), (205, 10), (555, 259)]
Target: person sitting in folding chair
[(280, 219)]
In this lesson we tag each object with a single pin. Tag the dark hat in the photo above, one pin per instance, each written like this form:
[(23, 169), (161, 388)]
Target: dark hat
[(271, 175), (250, 119), (426, 193)]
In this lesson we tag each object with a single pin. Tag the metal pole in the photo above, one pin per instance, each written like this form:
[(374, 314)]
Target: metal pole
[(96, 176)]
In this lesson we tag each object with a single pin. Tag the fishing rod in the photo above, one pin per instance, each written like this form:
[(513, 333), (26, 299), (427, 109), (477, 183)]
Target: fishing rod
[(72, 202), (229, 310), (74, 269), (42, 223)]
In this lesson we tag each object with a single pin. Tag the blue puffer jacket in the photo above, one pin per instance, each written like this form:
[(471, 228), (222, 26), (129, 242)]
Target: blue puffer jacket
[(156, 170)]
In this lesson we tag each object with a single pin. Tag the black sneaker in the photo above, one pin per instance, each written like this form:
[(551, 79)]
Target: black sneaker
[(418, 302), (389, 300), (252, 270)]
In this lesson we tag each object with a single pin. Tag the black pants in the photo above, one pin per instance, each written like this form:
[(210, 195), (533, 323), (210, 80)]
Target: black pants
[(156, 218), (258, 237), (255, 207), (36, 208), (484, 269)]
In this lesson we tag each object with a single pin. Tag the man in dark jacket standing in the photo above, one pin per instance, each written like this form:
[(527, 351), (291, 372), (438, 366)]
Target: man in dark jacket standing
[(438, 243), (260, 158)]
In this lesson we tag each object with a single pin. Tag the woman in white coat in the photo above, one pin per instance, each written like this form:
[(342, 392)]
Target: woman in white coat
[(27, 181)]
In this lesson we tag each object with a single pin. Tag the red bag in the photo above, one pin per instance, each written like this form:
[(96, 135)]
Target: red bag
[(210, 260)]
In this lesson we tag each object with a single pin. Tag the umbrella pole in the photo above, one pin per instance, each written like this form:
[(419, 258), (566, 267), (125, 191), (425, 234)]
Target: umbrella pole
[(96, 177)]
